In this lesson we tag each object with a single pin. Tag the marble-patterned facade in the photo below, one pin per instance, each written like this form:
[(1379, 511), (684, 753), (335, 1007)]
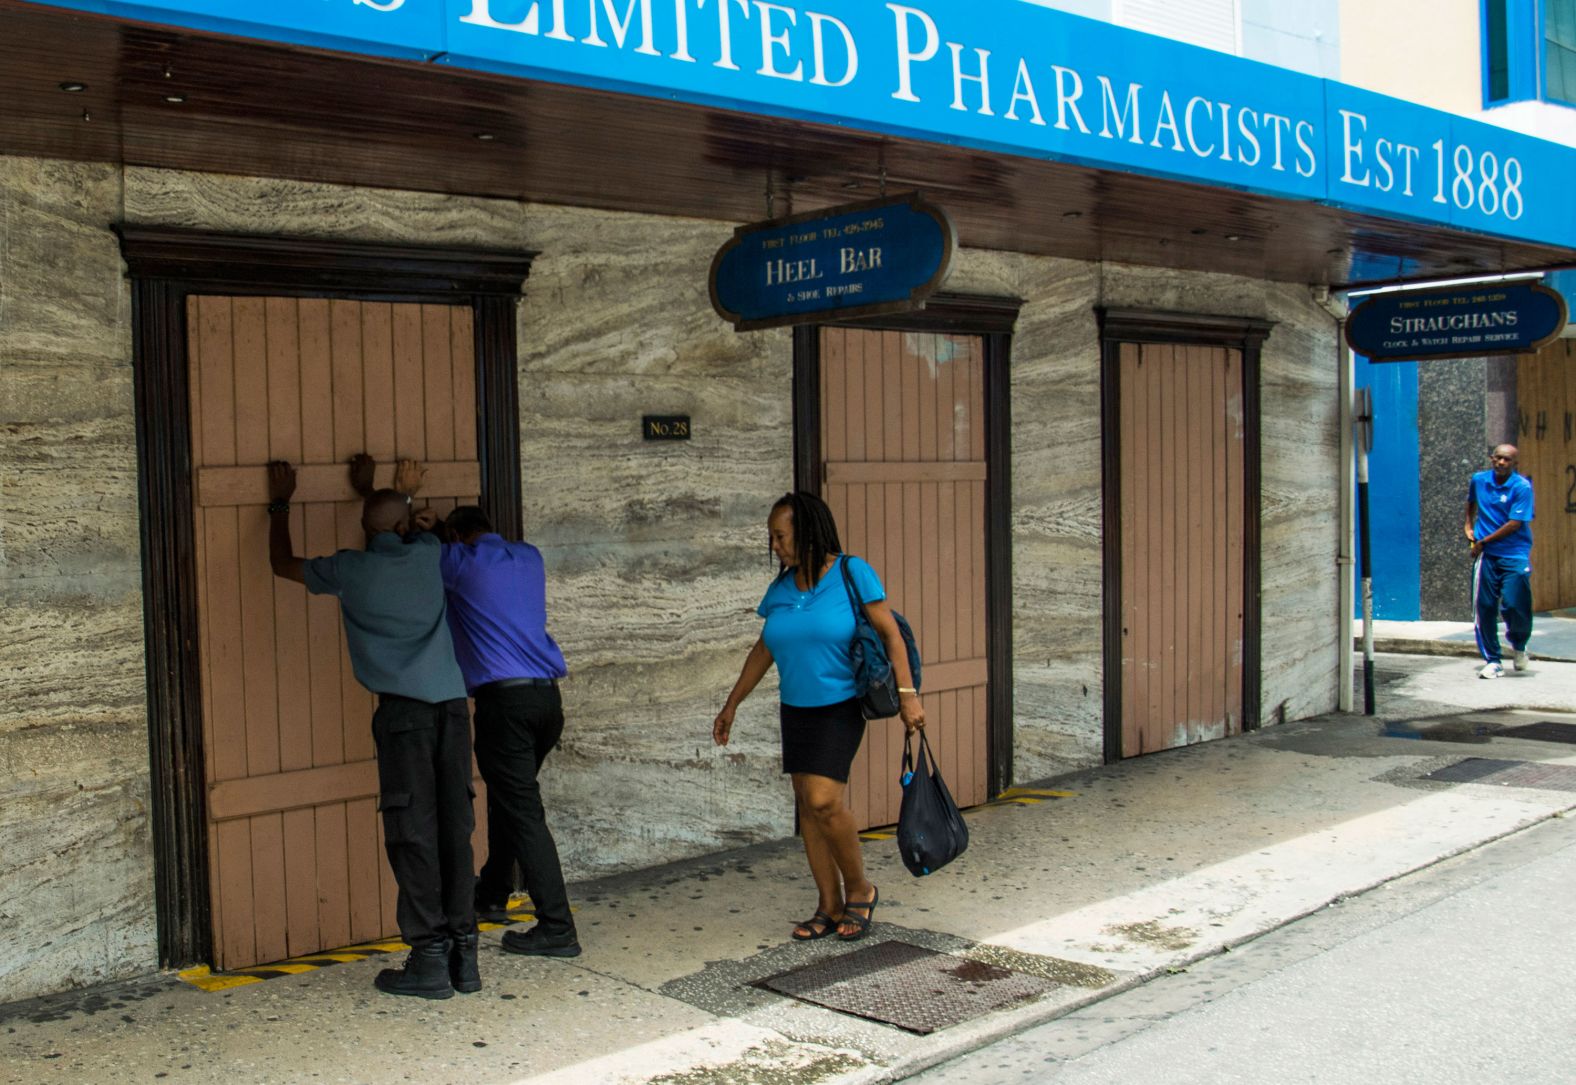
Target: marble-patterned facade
[(1465, 406), (656, 552)]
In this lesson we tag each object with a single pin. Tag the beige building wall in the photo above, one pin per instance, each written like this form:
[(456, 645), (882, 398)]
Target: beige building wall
[(1425, 51), (656, 552)]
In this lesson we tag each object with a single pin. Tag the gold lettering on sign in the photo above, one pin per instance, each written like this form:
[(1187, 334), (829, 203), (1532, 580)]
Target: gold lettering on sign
[(791, 271), (852, 260)]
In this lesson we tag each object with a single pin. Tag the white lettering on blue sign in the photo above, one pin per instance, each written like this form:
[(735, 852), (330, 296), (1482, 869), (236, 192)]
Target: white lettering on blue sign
[(1014, 77)]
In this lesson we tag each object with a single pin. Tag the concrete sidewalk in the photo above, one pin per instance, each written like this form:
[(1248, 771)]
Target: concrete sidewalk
[(1553, 637), (1146, 866)]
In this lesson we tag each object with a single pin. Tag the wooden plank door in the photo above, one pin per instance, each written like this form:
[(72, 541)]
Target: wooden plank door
[(1183, 544), (903, 455), (295, 854), (1546, 439)]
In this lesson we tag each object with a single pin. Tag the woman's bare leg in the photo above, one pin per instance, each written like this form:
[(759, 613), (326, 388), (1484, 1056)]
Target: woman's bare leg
[(821, 804), (823, 865)]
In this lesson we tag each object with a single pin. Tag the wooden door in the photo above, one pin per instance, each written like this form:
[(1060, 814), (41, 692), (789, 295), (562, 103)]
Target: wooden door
[(903, 456), (1183, 544), (295, 855), (1546, 439)]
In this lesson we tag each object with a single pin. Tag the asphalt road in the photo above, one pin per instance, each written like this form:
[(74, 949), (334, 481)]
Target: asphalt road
[(1463, 972)]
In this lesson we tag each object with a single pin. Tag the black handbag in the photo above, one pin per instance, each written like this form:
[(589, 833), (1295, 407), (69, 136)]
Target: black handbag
[(875, 679), (930, 828)]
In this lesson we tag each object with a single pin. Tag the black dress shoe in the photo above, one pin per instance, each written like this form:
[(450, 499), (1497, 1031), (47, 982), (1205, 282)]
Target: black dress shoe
[(533, 943), (464, 973), (492, 911), (425, 975)]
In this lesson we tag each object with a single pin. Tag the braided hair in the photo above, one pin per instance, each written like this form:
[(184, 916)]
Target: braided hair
[(814, 531)]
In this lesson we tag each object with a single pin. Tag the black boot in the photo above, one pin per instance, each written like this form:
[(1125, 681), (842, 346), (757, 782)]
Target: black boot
[(533, 943), (425, 975), (463, 971)]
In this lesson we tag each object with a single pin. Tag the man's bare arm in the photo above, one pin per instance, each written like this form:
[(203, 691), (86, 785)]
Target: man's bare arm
[(281, 552)]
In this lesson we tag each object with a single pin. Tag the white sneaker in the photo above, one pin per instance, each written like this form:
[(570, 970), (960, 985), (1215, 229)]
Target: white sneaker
[(1520, 659), (1491, 670)]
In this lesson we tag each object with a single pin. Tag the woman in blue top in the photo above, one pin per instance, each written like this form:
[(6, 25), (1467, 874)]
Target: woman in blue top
[(809, 624)]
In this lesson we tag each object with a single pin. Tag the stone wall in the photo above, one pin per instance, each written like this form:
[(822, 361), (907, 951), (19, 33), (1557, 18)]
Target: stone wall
[(656, 551), (1056, 482), (1465, 407), (76, 874)]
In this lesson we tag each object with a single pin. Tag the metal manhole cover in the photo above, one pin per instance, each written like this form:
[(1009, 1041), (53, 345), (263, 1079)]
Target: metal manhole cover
[(1544, 731), (1472, 770), (916, 989), (1484, 770)]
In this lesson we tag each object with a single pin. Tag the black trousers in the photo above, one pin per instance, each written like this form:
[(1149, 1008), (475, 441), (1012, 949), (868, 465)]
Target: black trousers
[(516, 728), (424, 774)]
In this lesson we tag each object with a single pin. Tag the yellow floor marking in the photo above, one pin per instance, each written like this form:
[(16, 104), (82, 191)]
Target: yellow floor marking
[(342, 958), (514, 917), (283, 966), (1013, 796), (204, 980)]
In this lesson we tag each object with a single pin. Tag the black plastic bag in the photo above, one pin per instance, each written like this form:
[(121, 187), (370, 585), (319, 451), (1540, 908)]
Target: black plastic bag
[(930, 829)]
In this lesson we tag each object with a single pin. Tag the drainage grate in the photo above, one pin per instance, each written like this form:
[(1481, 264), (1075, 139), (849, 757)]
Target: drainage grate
[(916, 989), (1544, 731), (1484, 770)]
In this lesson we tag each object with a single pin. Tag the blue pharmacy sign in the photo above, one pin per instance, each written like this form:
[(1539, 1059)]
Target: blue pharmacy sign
[(883, 256), (1000, 76), (1459, 322)]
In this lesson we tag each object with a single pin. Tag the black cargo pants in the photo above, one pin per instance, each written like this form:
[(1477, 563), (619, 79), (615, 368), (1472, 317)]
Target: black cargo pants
[(424, 775), (516, 728)]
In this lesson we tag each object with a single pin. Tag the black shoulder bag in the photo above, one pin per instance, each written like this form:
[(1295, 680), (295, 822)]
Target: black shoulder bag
[(874, 677)]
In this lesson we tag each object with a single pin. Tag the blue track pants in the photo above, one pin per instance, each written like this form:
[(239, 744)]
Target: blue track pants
[(1502, 585)]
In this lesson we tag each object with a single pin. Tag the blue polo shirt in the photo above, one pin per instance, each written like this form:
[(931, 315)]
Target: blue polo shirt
[(497, 594), (391, 600), (808, 633), (1498, 503)]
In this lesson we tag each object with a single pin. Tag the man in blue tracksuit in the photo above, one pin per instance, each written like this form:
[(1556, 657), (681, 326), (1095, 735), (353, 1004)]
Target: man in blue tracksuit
[(1499, 527)]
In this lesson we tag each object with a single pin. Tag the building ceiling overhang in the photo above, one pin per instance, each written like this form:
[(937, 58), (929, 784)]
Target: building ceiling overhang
[(188, 100)]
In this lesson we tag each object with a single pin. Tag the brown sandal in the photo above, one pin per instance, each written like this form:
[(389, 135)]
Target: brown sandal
[(820, 919)]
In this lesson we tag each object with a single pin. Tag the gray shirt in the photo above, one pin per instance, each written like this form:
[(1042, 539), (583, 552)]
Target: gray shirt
[(391, 599)]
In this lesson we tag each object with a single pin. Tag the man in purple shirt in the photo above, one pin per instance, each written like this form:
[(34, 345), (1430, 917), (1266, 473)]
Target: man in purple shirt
[(497, 608)]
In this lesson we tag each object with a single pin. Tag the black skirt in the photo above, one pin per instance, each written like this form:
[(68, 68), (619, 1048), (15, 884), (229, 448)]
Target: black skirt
[(822, 740)]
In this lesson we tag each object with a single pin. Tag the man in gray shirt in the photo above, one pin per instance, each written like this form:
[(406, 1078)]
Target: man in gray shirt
[(391, 600)]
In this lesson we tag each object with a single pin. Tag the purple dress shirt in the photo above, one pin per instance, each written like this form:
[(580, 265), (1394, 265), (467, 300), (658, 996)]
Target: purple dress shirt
[(497, 594)]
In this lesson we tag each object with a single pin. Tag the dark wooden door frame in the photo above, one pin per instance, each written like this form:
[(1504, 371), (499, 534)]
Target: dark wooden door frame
[(992, 318), (1118, 326), (165, 266)]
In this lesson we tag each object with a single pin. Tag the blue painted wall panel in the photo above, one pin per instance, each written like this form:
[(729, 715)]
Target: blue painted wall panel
[(1394, 494)]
